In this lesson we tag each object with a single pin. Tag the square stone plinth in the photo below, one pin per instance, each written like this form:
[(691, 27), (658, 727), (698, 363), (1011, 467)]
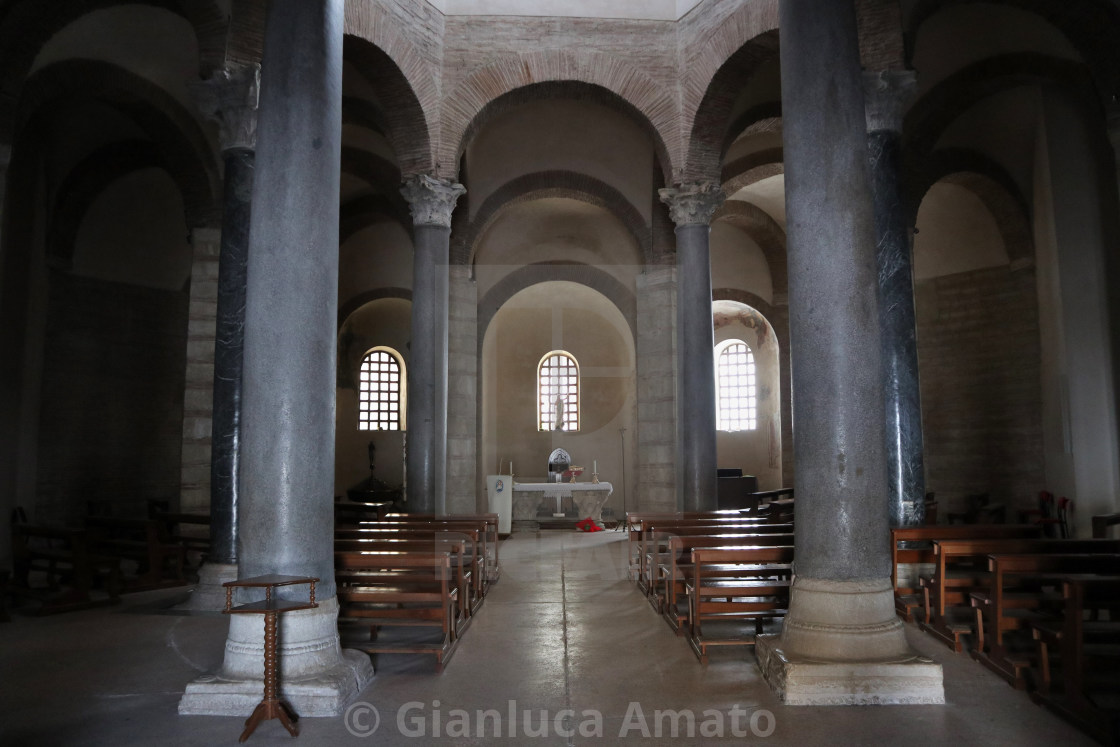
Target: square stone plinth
[(799, 682)]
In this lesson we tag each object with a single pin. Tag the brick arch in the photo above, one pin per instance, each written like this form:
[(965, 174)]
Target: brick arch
[(347, 309), (771, 239), (745, 171), (482, 93), (414, 86), (765, 117), (543, 184), (28, 24), (366, 210), (1090, 25), (993, 186), (399, 110), (85, 183), (543, 272), (181, 144), (778, 319), (929, 117)]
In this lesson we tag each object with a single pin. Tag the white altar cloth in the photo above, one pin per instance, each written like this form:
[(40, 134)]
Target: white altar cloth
[(589, 497)]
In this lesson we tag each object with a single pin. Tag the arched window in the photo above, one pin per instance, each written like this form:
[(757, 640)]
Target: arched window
[(381, 393), (736, 392), (558, 392)]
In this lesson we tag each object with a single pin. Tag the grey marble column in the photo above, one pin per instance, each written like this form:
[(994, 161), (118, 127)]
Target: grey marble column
[(8, 417), (230, 97), (841, 642), (691, 207), (887, 94), (286, 485), (431, 201)]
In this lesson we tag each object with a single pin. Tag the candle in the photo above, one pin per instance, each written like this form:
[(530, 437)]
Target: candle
[(595, 465), (511, 468)]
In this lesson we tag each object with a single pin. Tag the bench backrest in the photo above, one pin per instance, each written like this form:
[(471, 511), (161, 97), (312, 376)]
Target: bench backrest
[(708, 555)]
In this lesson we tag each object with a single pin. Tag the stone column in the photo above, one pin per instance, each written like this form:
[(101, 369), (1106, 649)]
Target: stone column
[(463, 495), (431, 201), (886, 95), (691, 207), (656, 436), (286, 484), (230, 97), (841, 642), (7, 488)]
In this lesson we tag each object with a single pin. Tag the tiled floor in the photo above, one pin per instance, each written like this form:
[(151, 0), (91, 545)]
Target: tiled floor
[(563, 633)]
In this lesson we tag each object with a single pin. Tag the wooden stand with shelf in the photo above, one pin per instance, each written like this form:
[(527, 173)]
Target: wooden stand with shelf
[(271, 706)]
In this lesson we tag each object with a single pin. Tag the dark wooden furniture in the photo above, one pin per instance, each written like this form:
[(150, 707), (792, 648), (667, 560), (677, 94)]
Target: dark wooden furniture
[(146, 542), (71, 567), (1102, 522), (759, 592), (271, 607)]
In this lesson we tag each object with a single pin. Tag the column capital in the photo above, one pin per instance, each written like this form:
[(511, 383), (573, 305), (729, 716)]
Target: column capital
[(431, 200), (692, 203), (230, 97), (886, 94)]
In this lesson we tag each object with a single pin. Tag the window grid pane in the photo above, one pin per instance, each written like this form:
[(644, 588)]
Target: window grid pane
[(737, 405), (379, 387), (558, 381)]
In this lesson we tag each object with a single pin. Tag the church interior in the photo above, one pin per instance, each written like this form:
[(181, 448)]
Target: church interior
[(301, 253)]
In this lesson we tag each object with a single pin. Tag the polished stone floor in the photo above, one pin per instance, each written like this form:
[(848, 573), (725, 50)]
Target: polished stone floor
[(563, 633)]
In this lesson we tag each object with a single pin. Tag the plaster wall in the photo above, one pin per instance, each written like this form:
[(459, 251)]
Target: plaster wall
[(738, 262), (384, 322), (568, 135), (559, 316), (757, 452), (379, 256), (956, 233)]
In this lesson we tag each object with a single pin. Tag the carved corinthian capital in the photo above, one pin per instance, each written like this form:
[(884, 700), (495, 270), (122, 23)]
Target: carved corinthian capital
[(692, 204), (230, 98), (886, 94), (431, 200)]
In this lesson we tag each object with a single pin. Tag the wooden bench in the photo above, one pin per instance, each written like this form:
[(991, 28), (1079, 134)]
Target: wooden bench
[(911, 546), (144, 541), (397, 589), (658, 530), (635, 520), (192, 531), (1088, 653), (754, 596), (1025, 587), (677, 568), (485, 524), (961, 568), (1102, 522), (431, 536), (462, 563), (72, 569)]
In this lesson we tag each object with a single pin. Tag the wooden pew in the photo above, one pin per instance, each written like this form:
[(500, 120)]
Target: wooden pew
[(1022, 589), (431, 536), (961, 568), (145, 541), (1087, 687), (351, 511), (485, 524), (1102, 522), (462, 563), (398, 589), (912, 545), (64, 555), (655, 537), (192, 531), (756, 595), (494, 566), (635, 520), (675, 572)]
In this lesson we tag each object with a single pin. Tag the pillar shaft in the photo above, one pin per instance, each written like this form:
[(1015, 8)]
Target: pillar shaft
[(691, 207), (886, 96), (288, 412), (838, 392), (431, 202), (230, 98)]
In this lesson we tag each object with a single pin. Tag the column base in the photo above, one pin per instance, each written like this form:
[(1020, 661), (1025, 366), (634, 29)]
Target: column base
[(317, 677), (842, 644), (209, 595)]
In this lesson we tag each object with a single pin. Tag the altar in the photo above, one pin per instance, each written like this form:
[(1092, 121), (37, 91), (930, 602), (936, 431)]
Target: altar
[(530, 497)]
